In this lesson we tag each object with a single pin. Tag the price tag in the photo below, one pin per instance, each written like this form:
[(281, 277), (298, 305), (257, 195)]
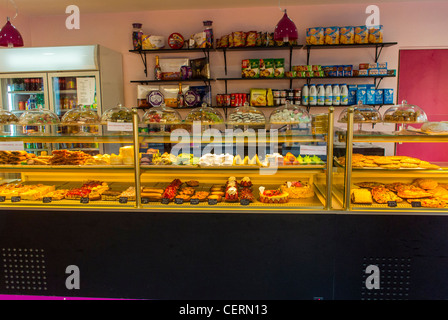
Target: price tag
[(392, 204), (165, 200), (2, 199), (123, 200), (119, 126), (145, 200), (47, 199), (16, 199), (178, 201), (12, 146), (416, 204), (212, 202), (245, 202), (84, 200), (194, 201)]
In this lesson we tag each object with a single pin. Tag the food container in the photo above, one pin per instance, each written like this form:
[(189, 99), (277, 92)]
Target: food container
[(37, 121), (7, 117), (119, 114), (405, 113), (176, 41), (81, 120), (361, 114), (319, 123), (246, 116), (161, 115), (289, 114), (205, 115)]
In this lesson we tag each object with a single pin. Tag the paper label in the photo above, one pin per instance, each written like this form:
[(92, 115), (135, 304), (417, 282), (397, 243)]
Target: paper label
[(313, 150), (12, 146), (85, 89), (119, 126)]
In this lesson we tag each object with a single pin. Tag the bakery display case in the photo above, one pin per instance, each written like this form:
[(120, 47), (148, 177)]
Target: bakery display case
[(388, 184)]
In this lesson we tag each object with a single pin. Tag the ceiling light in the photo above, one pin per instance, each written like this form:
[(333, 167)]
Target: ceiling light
[(285, 30)]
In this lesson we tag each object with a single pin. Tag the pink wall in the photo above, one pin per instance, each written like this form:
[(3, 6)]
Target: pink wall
[(408, 23)]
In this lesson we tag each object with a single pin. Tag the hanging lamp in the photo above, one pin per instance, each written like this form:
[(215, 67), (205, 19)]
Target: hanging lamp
[(9, 36), (285, 30)]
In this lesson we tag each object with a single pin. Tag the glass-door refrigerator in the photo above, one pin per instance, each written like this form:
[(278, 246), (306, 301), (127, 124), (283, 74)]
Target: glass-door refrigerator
[(64, 88), (20, 93)]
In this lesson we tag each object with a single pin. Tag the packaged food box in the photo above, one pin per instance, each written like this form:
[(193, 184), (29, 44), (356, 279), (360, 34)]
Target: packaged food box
[(170, 94), (266, 68), (332, 35), (309, 74), (388, 96), (379, 96), (363, 72), (316, 67), (258, 97), (348, 71), (352, 89), (279, 68), (372, 66), (361, 35), (315, 35), (376, 34), (171, 67), (373, 72), (361, 94), (301, 74), (318, 73), (340, 71), (347, 35), (364, 66), (382, 71), (251, 68), (391, 72), (382, 65), (370, 96)]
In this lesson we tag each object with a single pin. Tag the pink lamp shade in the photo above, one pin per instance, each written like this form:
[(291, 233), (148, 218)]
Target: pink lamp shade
[(10, 36), (285, 30)]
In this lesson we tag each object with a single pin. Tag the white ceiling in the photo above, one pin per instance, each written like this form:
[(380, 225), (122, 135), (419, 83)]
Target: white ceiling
[(54, 7)]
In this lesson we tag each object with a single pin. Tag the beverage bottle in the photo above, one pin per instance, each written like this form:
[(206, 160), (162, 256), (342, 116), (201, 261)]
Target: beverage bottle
[(328, 95), (157, 70), (321, 95), (336, 95), (180, 97), (305, 95), (344, 94), (313, 95), (137, 33)]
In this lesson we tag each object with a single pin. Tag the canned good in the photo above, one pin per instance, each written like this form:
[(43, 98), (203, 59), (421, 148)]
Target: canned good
[(233, 98), (227, 100), (290, 93), (282, 101), (297, 93), (219, 100), (277, 101), (276, 93), (283, 93)]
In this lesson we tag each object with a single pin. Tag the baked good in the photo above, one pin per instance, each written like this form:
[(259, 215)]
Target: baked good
[(217, 188), (185, 197), (246, 194), (93, 196), (430, 202), (273, 196), (439, 193), (187, 190), (369, 185), (435, 127), (110, 195), (192, 183), (383, 195), (201, 195), (411, 192), (128, 193), (152, 190), (298, 189), (426, 184), (217, 193), (231, 194), (394, 186), (246, 182), (215, 196), (362, 196)]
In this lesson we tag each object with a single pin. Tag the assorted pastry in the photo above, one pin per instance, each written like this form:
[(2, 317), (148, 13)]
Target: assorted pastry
[(428, 192), (387, 162)]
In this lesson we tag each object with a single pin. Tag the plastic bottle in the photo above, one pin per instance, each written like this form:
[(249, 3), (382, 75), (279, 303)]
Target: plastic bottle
[(321, 95), (328, 95), (313, 95), (344, 94), (336, 95), (305, 95)]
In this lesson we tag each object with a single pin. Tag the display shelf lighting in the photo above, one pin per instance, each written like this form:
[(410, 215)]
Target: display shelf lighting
[(285, 30), (9, 36)]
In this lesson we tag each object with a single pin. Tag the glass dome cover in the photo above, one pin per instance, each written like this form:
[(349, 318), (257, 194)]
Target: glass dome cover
[(80, 115), (205, 114), (39, 116), (7, 117), (161, 115), (405, 113), (119, 114), (289, 114), (361, 114), (246, 115)]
